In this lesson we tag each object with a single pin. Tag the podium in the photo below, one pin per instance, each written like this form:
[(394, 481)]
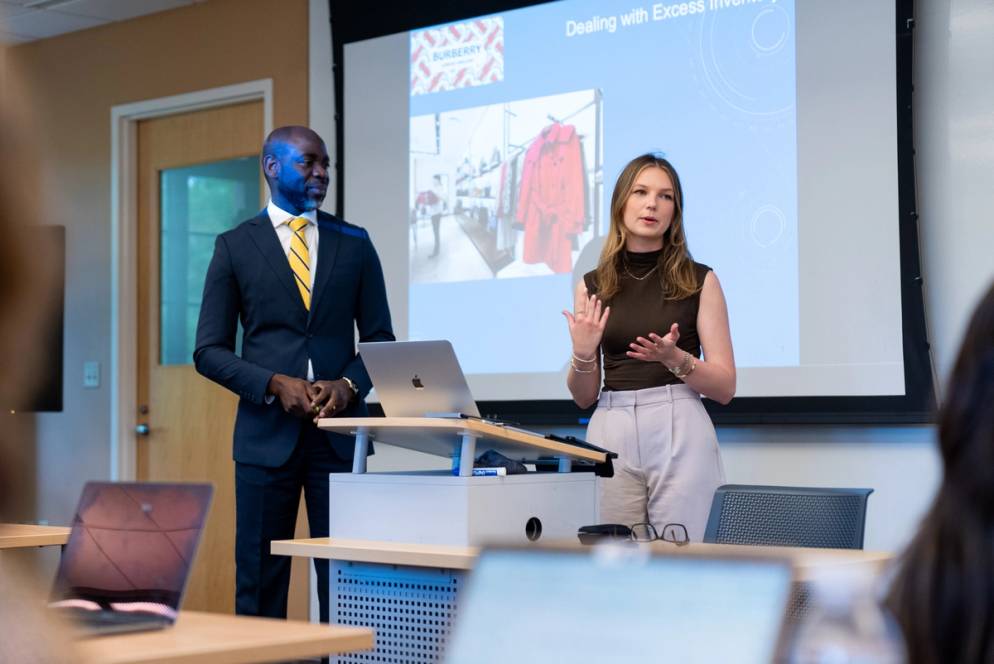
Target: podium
[(438, 507), (411, 605)]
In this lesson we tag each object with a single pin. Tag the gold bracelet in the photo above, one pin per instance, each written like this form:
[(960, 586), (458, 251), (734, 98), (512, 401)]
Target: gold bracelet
[(682, 370), (578, 369), (580, 359)]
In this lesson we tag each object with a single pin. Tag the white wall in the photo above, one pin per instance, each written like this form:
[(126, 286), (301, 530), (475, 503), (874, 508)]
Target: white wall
[(954, 111)]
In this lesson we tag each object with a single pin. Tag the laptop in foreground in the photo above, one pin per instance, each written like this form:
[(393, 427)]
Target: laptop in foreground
[(418, 379), (129, 555), (620, 604)]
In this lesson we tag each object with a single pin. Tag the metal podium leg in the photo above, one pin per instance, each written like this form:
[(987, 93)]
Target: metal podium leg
[(361, 450)]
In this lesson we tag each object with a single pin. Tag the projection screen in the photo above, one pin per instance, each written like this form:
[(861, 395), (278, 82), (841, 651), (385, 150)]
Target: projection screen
[(781, 117)]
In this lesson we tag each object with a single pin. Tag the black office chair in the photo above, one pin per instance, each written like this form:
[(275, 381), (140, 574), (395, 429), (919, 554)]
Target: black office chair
[(788, 516)]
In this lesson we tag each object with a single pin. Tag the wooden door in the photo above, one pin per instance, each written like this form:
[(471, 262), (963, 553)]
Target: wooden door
[(198, 174)]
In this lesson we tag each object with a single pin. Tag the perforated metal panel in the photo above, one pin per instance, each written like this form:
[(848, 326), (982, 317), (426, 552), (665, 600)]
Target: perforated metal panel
[(412, 609), (781, 519)]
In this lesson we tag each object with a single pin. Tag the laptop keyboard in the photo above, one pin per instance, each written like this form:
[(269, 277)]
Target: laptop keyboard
[(115, 621), (109, 618)]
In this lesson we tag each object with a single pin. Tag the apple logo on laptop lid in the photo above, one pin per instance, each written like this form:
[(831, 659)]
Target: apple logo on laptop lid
[(416, 382)]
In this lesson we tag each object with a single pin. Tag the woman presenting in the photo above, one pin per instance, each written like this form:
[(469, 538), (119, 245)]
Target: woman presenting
[(646, 313)]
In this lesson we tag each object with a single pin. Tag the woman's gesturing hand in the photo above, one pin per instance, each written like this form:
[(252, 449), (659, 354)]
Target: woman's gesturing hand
[(586, 324), (655, 348)]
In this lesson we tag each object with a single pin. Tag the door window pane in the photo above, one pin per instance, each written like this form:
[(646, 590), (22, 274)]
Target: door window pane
[(198, 202)]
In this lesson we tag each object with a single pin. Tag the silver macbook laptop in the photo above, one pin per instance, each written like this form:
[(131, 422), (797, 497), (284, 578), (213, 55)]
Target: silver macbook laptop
[(418, 379), (620, 605), (129, 554)]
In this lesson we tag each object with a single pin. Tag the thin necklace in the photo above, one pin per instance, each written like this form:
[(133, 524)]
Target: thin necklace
[(644, 276)]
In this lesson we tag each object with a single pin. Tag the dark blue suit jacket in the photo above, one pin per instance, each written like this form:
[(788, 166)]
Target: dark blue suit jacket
[(249, 278)]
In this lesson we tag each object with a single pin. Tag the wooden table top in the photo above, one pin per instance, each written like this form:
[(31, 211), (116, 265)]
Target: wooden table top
[(214, 638), (16, 535), (442, 437), (373, 551), (805, 560)]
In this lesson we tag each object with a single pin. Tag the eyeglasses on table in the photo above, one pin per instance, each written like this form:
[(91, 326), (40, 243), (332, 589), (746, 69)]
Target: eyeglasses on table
[(675, 533)]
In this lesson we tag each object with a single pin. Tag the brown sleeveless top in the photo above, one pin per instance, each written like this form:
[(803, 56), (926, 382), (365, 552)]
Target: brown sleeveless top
[(638, 309)]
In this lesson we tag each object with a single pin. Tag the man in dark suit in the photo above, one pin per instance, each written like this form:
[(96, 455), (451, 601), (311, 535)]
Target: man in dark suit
[(301, 281)]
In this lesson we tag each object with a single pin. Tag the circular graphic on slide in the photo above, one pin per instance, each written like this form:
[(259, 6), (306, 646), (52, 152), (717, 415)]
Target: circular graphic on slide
[(765, 236), (746, 59), (770, 29), (767, 225)]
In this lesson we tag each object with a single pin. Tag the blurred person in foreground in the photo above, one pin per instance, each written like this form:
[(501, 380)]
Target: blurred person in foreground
[(943, 591), (27, 632)]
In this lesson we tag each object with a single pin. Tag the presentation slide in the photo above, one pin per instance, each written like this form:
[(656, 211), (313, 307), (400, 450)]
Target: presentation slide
[(482, 155)]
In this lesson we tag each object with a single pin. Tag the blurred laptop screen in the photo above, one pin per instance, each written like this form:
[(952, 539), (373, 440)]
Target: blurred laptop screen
[(620, 605), (130, 551)]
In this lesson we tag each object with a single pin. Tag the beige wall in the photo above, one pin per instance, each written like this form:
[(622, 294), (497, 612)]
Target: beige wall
[(69, 84)]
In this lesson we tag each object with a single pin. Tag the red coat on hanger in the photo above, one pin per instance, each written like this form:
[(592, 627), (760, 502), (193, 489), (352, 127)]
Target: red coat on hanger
[(551, 205)]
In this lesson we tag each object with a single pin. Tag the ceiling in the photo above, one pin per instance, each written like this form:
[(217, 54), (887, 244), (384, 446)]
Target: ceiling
[(27, 20)]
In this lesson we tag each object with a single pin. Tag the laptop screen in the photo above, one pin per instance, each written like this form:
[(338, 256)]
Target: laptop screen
[(619, 606), (417, 378), (131, 547)]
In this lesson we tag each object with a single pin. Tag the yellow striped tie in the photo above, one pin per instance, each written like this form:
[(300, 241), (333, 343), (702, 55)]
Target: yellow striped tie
[(300, 259)]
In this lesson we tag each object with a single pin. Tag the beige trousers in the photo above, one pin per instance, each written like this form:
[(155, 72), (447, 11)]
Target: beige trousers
[(668, 463)]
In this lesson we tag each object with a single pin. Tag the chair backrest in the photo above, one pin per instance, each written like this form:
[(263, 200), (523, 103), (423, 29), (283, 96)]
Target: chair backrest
[(788, 516)]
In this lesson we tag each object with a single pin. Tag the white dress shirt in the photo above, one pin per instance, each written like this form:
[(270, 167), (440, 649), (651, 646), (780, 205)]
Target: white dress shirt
[(280, 219)]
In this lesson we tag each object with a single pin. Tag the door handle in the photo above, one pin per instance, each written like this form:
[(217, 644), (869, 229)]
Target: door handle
[(142, 429)]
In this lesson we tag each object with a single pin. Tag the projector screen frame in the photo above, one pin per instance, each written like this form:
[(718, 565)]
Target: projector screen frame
[(352, 22)]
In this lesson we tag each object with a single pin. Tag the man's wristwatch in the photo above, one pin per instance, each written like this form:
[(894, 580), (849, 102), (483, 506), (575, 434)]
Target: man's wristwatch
[(352, 386)]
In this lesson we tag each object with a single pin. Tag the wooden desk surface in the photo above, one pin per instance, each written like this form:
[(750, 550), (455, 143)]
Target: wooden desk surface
[(441, 437), (805, 560), (16, 535), (387, 553), (214, 638)]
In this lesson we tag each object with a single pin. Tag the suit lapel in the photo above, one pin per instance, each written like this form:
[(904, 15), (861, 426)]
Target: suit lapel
[(264, 235), (328, 239)]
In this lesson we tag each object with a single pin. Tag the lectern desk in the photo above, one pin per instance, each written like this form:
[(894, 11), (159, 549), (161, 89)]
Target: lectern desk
[(411, 606)]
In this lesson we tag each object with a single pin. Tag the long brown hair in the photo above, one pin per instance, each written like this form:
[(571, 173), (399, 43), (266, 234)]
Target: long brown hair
[(943, 593), (676, 266)]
